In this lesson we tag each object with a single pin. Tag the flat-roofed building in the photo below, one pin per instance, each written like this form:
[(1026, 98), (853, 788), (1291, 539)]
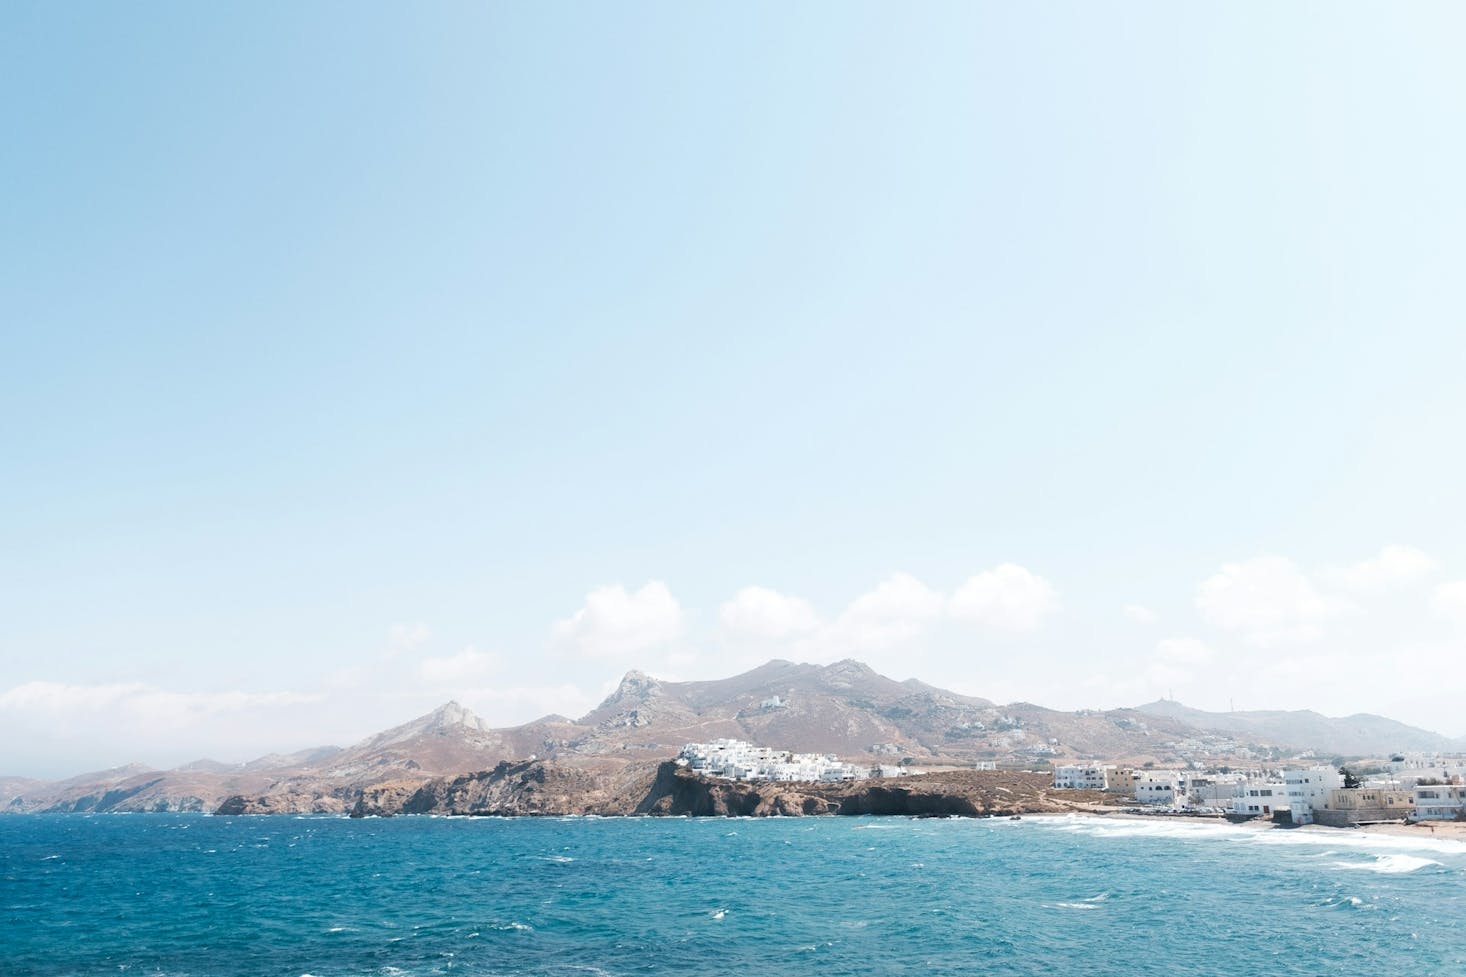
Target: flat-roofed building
[(1091, 776), (1440, 802), (1361, 805)]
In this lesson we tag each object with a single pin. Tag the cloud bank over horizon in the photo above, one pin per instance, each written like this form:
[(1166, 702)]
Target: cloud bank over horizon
[(1260, 633)]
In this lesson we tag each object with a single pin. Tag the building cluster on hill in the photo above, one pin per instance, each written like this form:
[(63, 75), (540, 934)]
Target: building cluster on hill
[(1417, 788), (738, 760)]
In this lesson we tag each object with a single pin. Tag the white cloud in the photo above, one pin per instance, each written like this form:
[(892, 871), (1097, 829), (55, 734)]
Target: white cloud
[(1393, 567), (1448, 600), (1183, 651), (1139, 614), (469, 665), (615, 622), (759, 612), (1267, 600), (897, 610), (1006, 598), (158, 706)]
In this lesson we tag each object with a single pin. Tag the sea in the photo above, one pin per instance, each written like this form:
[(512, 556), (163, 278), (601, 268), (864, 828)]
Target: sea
[(201, 896)]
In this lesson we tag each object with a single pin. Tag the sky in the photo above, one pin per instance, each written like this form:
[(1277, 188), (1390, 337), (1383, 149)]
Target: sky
[(359, 357)]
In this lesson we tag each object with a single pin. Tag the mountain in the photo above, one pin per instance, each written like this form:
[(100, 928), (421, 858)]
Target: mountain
[(846, 709), (1362, 734)]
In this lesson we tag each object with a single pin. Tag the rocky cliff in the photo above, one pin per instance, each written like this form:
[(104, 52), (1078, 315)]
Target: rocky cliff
[(961, 793), (543, 788), (530, 787)]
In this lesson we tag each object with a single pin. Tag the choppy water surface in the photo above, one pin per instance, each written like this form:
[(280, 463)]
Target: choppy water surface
[(219, 897)]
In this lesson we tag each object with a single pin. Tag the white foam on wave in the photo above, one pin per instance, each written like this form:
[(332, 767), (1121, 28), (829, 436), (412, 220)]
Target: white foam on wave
[(1340, 840), (1389, 864)]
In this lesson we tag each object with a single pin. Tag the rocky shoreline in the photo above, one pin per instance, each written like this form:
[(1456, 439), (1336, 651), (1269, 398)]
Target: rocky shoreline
[(537, 788)]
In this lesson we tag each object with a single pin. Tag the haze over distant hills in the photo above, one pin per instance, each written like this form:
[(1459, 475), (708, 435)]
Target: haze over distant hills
[(1361, 733), (845, 708)]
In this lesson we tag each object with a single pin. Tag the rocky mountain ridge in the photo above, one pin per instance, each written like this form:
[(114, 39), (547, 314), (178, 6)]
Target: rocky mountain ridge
[(845, 708)]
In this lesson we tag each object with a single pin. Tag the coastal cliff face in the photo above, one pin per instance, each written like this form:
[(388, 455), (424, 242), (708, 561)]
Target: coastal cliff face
[(540, 788), (678, 791), (530, 787)]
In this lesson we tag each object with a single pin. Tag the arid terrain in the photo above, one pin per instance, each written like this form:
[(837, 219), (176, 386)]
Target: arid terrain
[(608, 760)]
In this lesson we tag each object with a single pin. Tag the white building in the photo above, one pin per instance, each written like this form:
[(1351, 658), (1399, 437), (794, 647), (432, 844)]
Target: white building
[(1308, 788), (739, 760), (1092, 776), (1160, 787), (1440, 802), (1257, 798), (1213, 790)]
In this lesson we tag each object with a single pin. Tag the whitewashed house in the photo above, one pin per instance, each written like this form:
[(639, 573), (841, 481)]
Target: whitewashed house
[(1440, 802), (1160, 787), (1091, 776), (1213, 790), (1308, 788), (1257, 798), (738, 760)]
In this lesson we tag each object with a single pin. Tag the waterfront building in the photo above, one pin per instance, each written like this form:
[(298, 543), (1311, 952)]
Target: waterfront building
[(1307, 787), (1090, 776), (1213, 790), (1122, 781), (1361, 805), (1259, 798), (1440, 802), (1160, 787)]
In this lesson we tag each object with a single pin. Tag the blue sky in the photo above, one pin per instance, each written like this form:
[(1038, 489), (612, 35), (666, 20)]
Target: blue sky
[(349, 352)]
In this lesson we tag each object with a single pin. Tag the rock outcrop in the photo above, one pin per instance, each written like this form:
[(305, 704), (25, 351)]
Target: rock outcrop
[(678, 791), (538, 787), (283, 802), (526, 788)]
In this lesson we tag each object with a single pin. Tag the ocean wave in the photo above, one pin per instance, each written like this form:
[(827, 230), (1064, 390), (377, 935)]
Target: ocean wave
[(1389, 864), (1338, 839)]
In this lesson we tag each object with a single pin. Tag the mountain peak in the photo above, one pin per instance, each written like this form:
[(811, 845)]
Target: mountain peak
[(637, 683), (447, 718), (850, 666)]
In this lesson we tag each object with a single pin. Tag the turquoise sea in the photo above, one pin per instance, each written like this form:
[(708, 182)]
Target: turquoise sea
[(219, 897)]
